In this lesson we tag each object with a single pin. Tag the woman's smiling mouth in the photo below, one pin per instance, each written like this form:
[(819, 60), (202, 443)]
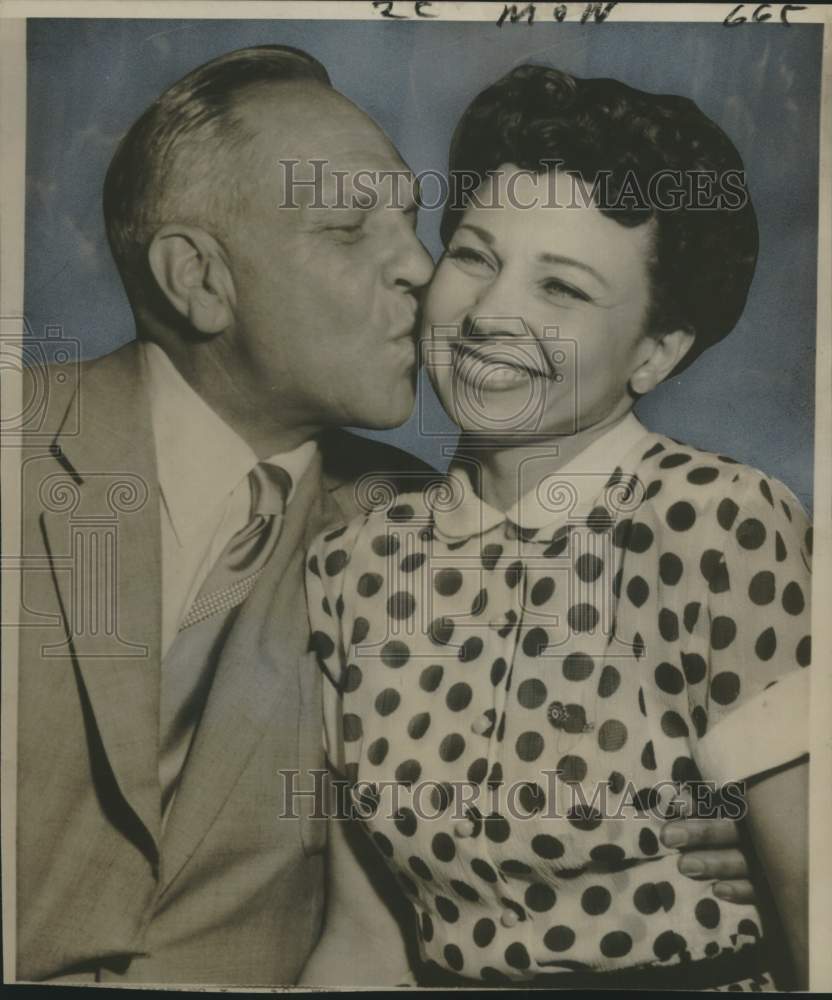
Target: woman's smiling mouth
[(499, 364)]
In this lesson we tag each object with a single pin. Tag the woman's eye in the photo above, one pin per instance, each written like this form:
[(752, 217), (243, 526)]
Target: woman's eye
[(348, 232), (469, 257), (559, 289)]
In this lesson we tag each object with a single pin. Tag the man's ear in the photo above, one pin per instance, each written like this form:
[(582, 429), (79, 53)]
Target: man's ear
[(665, 353), (190, 269)]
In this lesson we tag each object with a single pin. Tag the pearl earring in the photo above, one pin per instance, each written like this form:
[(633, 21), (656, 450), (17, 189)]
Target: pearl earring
[(641, 382)]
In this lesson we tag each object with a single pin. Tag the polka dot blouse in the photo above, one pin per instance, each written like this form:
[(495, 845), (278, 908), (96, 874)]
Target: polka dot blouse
[(540, 690)]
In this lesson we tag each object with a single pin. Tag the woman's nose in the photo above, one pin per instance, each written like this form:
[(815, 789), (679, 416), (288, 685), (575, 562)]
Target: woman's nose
[(481, 326)]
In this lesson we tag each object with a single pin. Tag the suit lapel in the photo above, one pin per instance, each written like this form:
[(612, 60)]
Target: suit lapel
[(101, 525), (258, 665)]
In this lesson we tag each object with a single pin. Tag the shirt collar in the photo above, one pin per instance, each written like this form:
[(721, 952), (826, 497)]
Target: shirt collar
[(552, 496), (200, 459)]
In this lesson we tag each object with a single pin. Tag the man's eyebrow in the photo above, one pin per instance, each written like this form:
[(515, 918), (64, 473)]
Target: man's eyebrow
[(554, 258)]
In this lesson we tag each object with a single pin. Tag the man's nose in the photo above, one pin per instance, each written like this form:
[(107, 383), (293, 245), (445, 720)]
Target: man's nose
[(411, 268)]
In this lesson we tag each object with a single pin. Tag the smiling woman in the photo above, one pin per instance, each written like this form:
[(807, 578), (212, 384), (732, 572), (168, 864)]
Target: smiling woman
[(570, 640)]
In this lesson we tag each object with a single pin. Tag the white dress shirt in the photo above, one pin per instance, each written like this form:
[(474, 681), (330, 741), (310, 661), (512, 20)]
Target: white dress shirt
[(205, 496)]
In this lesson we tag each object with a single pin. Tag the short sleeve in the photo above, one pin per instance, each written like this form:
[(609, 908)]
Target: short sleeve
[(758, 576), (326, 568)]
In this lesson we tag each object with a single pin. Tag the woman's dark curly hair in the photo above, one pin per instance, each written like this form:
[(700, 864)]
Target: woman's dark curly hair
[(703, 258)]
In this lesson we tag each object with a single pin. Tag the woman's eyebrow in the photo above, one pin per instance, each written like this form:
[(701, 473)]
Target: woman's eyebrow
[(554, 258)]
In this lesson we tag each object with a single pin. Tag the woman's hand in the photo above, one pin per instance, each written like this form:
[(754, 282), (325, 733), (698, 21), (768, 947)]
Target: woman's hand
[(367, 918), (710, 849)]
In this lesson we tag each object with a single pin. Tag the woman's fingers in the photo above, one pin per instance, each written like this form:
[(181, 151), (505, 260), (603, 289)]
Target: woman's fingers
[(728, 863), (693, 834), (738, 891)]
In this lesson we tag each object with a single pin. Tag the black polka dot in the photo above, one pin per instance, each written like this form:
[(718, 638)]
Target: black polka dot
[(707, 913), (694, 667), (443, 847), (498, 670), (681, 516), (638, 590), (440, 631), (459, 696), (793, 601), (352, 678), (668, 944), (673, 460), (352, 728), (673, 724), (517, 956), (313, 566), (726, 513), (723, 631), (529, 746), (647, 842), (360, 630), (547, 847), (560, 938), (497, 828), (470, 649), (532, 798), (385, 545), (655, 449), (691, 615), (653, 489), (780, 551), (640, 538), (648, 756), (807, 539), (599, 520), (700, 720), (751, 533), (539, 897), (321, 644), (669, 678), (612, 735), (412, 562), (582, 617), (702, 476), (578, 666), (608, 855), (377, 751), (572, 768), (447, 909), (453, 956), (559, 543), (668, 625), (714, 569), (542, 591), (408, 771), (616, 944), (478, 770), (595, 900), (765, 489), (531, 693), (383, 844), (786, 510), (447, 581), (514, 573), (335, 562), (535, 642), (418, 867), (617, 782), (405, 822), (484, 870), (465, 891), (608, 681), (670, 569), (766, 644), (584, 817), (484, 931), (369, 584), (395, 654), (725, 687), (401, 605), (803, 653), (684, 770), (490, 556), (646, 899), (418, 725), (480, 602), (451, 747), (400, 513), (762, 587), (429, 679), (589, 567), (442, 796)]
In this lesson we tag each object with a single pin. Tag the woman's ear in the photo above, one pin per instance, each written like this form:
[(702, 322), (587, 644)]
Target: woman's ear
[(665, 353), (191, 271)]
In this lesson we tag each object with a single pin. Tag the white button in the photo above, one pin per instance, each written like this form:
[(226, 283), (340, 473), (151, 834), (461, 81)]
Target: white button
[(480, 725), (509, 918), (464, 828)]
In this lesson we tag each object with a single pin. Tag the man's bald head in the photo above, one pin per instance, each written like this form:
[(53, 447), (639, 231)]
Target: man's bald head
[(184, 158)]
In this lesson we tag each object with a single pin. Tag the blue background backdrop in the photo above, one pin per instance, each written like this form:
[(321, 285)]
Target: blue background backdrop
[(750, 397)]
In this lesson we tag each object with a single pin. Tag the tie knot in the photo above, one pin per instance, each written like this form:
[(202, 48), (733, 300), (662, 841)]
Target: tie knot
[(270, 486)]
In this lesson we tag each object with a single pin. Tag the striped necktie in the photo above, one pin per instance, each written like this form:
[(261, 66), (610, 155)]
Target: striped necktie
[(189, 666)]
